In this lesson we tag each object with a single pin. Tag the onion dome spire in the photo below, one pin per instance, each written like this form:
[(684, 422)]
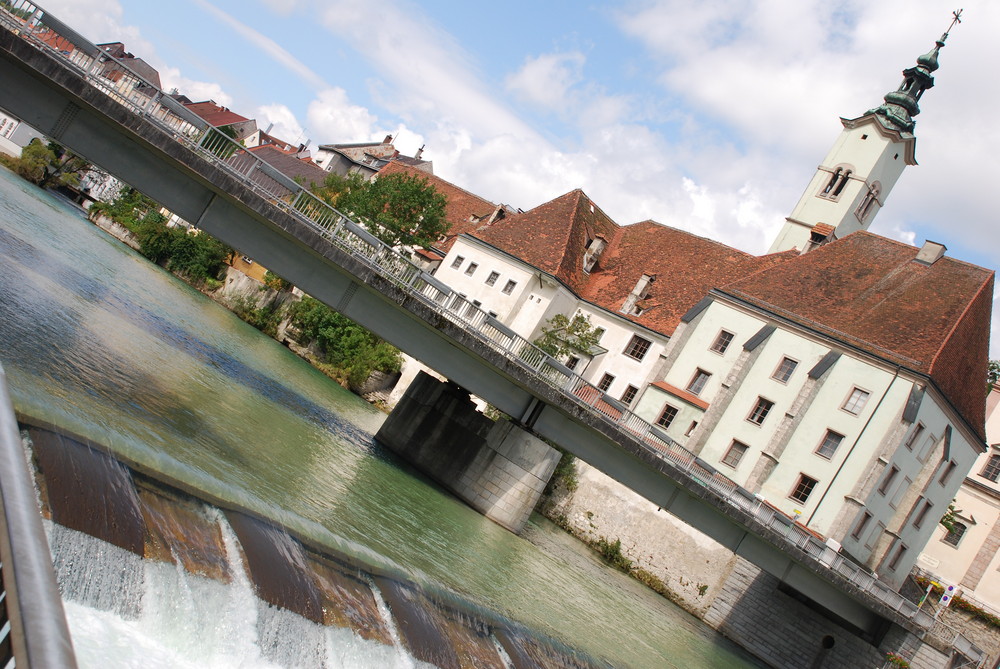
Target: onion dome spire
[(900, 105)]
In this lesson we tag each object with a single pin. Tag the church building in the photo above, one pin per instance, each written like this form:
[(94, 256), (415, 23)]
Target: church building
[(838, 377)]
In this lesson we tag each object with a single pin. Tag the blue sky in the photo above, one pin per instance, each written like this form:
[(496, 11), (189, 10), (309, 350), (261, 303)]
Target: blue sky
[(707, 116)]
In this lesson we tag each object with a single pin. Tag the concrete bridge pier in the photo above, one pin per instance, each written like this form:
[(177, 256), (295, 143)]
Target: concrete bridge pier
[(498, 468)]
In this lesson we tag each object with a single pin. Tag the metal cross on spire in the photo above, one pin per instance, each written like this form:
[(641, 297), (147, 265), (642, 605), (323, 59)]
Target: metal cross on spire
[(958, 19)]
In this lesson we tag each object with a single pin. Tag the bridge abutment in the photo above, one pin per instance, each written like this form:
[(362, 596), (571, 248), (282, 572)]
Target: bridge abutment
[(496, 467)]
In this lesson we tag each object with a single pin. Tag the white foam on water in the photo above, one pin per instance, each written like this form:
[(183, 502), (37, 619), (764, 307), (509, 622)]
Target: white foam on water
[(127, 612)]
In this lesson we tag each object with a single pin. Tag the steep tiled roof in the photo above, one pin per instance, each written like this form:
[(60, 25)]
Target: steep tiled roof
[(304, 171), (685, 267), (553, 236), (464, 210), (870, 292)]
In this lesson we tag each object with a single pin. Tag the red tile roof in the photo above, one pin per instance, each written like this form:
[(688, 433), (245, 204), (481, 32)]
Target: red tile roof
[(215, 115), (464, 211), (553, 237), (685, 267), (690, 398), (869, 292)]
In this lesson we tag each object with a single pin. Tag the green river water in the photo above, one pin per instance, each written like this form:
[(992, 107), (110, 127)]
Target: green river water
[(97, 340)]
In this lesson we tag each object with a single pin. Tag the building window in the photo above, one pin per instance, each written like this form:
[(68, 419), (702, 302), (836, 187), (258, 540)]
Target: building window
[(856, 402), (722, 342), (835, 186), (691, 428), (829, 444), (912, 439), (598, 334), (572, 362), (637, 348), (606, 382), (992, 469), (629, 394), (760, 411), (803, 488), (471, 269), (698, 382), (859, 529), (949, 469), (955, 534), (897, 557), (922, 513), (508, 287), (734, 454), (666, 416), (457, 262), (784, 370), (868, 203), (887, 481), (492, 278)]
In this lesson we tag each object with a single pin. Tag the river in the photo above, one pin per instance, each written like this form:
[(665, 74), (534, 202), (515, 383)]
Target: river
[(102, 343)]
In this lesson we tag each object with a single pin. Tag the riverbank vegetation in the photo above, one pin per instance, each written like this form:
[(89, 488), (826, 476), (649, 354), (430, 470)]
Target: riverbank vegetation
[(336, 345), (47, 165)]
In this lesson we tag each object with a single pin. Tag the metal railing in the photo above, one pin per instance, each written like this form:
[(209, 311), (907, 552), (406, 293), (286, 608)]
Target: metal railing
[(143, 98), (33, 630)]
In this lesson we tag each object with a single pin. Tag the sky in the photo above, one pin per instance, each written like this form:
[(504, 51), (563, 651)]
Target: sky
[(708, 116)]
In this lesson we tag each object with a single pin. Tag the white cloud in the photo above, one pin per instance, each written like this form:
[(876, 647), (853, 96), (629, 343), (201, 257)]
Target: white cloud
[(171, 78), (335, 120), (428, 73), (546, 80), (285, 125), (267, 45)]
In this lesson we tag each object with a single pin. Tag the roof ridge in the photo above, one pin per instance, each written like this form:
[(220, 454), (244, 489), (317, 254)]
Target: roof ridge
[(430, 176)]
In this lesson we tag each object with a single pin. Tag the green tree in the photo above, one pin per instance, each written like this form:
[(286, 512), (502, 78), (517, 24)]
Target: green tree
[(344, 344), (50, 165), (399, 209), (336, 185), (992, 374), (562, 336)]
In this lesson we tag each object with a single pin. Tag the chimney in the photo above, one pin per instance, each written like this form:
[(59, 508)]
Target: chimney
[(930, 252), (387, 140), (420, 152)]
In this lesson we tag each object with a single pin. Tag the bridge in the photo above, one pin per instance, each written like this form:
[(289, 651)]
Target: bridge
[(130, 128)]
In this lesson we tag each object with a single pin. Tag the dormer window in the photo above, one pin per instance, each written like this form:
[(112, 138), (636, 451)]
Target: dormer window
[(594, 248), (640, 292)]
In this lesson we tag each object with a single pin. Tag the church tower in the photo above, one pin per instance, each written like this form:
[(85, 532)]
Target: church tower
[(854, 180)]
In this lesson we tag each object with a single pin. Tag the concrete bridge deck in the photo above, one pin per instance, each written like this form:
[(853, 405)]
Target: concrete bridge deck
[(245, 204)]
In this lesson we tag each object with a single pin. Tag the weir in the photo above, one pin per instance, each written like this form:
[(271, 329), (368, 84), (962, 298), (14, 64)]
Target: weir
[(230, 196), (230, 583)]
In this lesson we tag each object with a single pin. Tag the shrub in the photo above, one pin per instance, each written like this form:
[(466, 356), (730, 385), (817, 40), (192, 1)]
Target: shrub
[(344, 344)]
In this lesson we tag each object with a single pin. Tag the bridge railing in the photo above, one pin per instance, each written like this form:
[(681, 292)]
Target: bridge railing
[(33, 630), (142, 97)]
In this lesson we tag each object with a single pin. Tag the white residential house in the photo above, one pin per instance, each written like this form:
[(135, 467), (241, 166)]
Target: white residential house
[(968, 555), (833, 386)]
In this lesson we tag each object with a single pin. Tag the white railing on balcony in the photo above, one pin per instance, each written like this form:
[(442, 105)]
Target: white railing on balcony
[(143, 98)]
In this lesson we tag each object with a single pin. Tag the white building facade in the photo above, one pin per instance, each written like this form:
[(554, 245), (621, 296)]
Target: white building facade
[(968, 554)]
